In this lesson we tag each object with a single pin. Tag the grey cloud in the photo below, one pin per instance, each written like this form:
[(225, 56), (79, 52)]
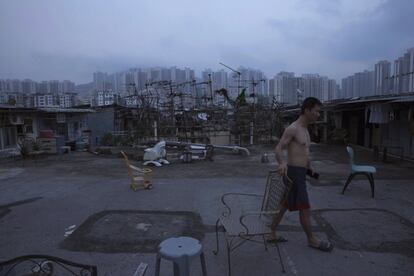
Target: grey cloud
[(322, 7), (64, 40), (384, 33)]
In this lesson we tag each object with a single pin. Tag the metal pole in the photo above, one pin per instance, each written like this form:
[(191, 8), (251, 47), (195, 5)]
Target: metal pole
[(155, 130), (238, 85), (251, 132), (211, 88), (238, 74)]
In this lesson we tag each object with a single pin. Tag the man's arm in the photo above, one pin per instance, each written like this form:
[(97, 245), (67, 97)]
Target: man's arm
[(308, 164), (287, 137)]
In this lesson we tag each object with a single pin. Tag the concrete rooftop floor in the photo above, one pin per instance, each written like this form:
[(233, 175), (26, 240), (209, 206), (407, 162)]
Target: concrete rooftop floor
[(41, 198)]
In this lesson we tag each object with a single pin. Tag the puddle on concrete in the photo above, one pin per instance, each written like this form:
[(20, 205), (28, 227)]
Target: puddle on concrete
[(324, 162), (5, 209), (325, 182), (132, 231), (10, 172), (374, 230)]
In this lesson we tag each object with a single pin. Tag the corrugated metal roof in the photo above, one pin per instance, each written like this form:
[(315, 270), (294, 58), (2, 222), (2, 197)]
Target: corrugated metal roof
[(376, 99), (391, 98), (404, 99), (7, 106), (48, 109), (66, 110)]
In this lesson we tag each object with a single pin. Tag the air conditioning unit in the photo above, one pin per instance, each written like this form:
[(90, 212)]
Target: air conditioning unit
[(16, 119)]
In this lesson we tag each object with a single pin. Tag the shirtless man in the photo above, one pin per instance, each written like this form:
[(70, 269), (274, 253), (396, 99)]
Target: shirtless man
[(297, 141)]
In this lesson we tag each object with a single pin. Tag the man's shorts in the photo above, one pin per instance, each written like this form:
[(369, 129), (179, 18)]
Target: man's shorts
[(298, 195)]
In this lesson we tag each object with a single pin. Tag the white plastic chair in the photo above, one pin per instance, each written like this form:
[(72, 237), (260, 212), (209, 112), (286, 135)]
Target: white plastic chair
[(156, 155)]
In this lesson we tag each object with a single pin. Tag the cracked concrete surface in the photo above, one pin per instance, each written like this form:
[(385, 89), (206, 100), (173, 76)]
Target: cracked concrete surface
[(52, 193)]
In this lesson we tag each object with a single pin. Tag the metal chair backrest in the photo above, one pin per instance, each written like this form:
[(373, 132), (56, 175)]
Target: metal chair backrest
[(277, 189), (45, 265)]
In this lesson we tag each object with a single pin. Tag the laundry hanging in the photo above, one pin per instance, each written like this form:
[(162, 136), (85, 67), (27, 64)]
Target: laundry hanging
[(379, 113)]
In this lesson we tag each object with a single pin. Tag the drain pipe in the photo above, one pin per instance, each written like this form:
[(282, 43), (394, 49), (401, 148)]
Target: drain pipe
[(251, 133)]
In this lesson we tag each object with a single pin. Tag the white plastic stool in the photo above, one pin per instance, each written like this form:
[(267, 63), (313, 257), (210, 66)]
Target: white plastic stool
[(180, 251)]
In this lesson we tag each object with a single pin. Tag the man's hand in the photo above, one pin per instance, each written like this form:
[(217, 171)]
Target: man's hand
[(282, 169), (312, 173), (311, 169)]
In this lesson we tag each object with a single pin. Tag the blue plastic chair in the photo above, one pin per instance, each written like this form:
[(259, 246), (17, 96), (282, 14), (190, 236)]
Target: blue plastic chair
[(368, 171)]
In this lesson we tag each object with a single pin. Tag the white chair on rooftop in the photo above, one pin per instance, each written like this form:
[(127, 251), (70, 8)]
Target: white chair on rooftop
[(366, 170), (156, 155)]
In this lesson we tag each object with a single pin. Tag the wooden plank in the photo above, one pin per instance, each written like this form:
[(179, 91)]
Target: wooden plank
[(141, 269)]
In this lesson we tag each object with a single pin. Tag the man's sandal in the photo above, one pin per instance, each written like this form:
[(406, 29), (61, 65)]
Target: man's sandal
[(276, 240), (324, 246)]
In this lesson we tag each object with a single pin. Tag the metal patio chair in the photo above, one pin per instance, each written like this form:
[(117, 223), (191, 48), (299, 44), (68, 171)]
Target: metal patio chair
[(368, 171), (241, 223), (45, 265)]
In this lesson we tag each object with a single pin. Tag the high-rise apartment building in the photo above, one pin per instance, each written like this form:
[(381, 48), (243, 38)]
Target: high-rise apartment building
[(312, 86), (403, 77), (45, 100), (382, 77), (43, 87), (360, 84), (285, 88), (102, 98), (28, 86), (100, 80), (67, 87), (67, 100), (54, 87)]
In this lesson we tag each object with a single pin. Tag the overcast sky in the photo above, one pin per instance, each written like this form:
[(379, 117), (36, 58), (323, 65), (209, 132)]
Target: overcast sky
[(57, 39)]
